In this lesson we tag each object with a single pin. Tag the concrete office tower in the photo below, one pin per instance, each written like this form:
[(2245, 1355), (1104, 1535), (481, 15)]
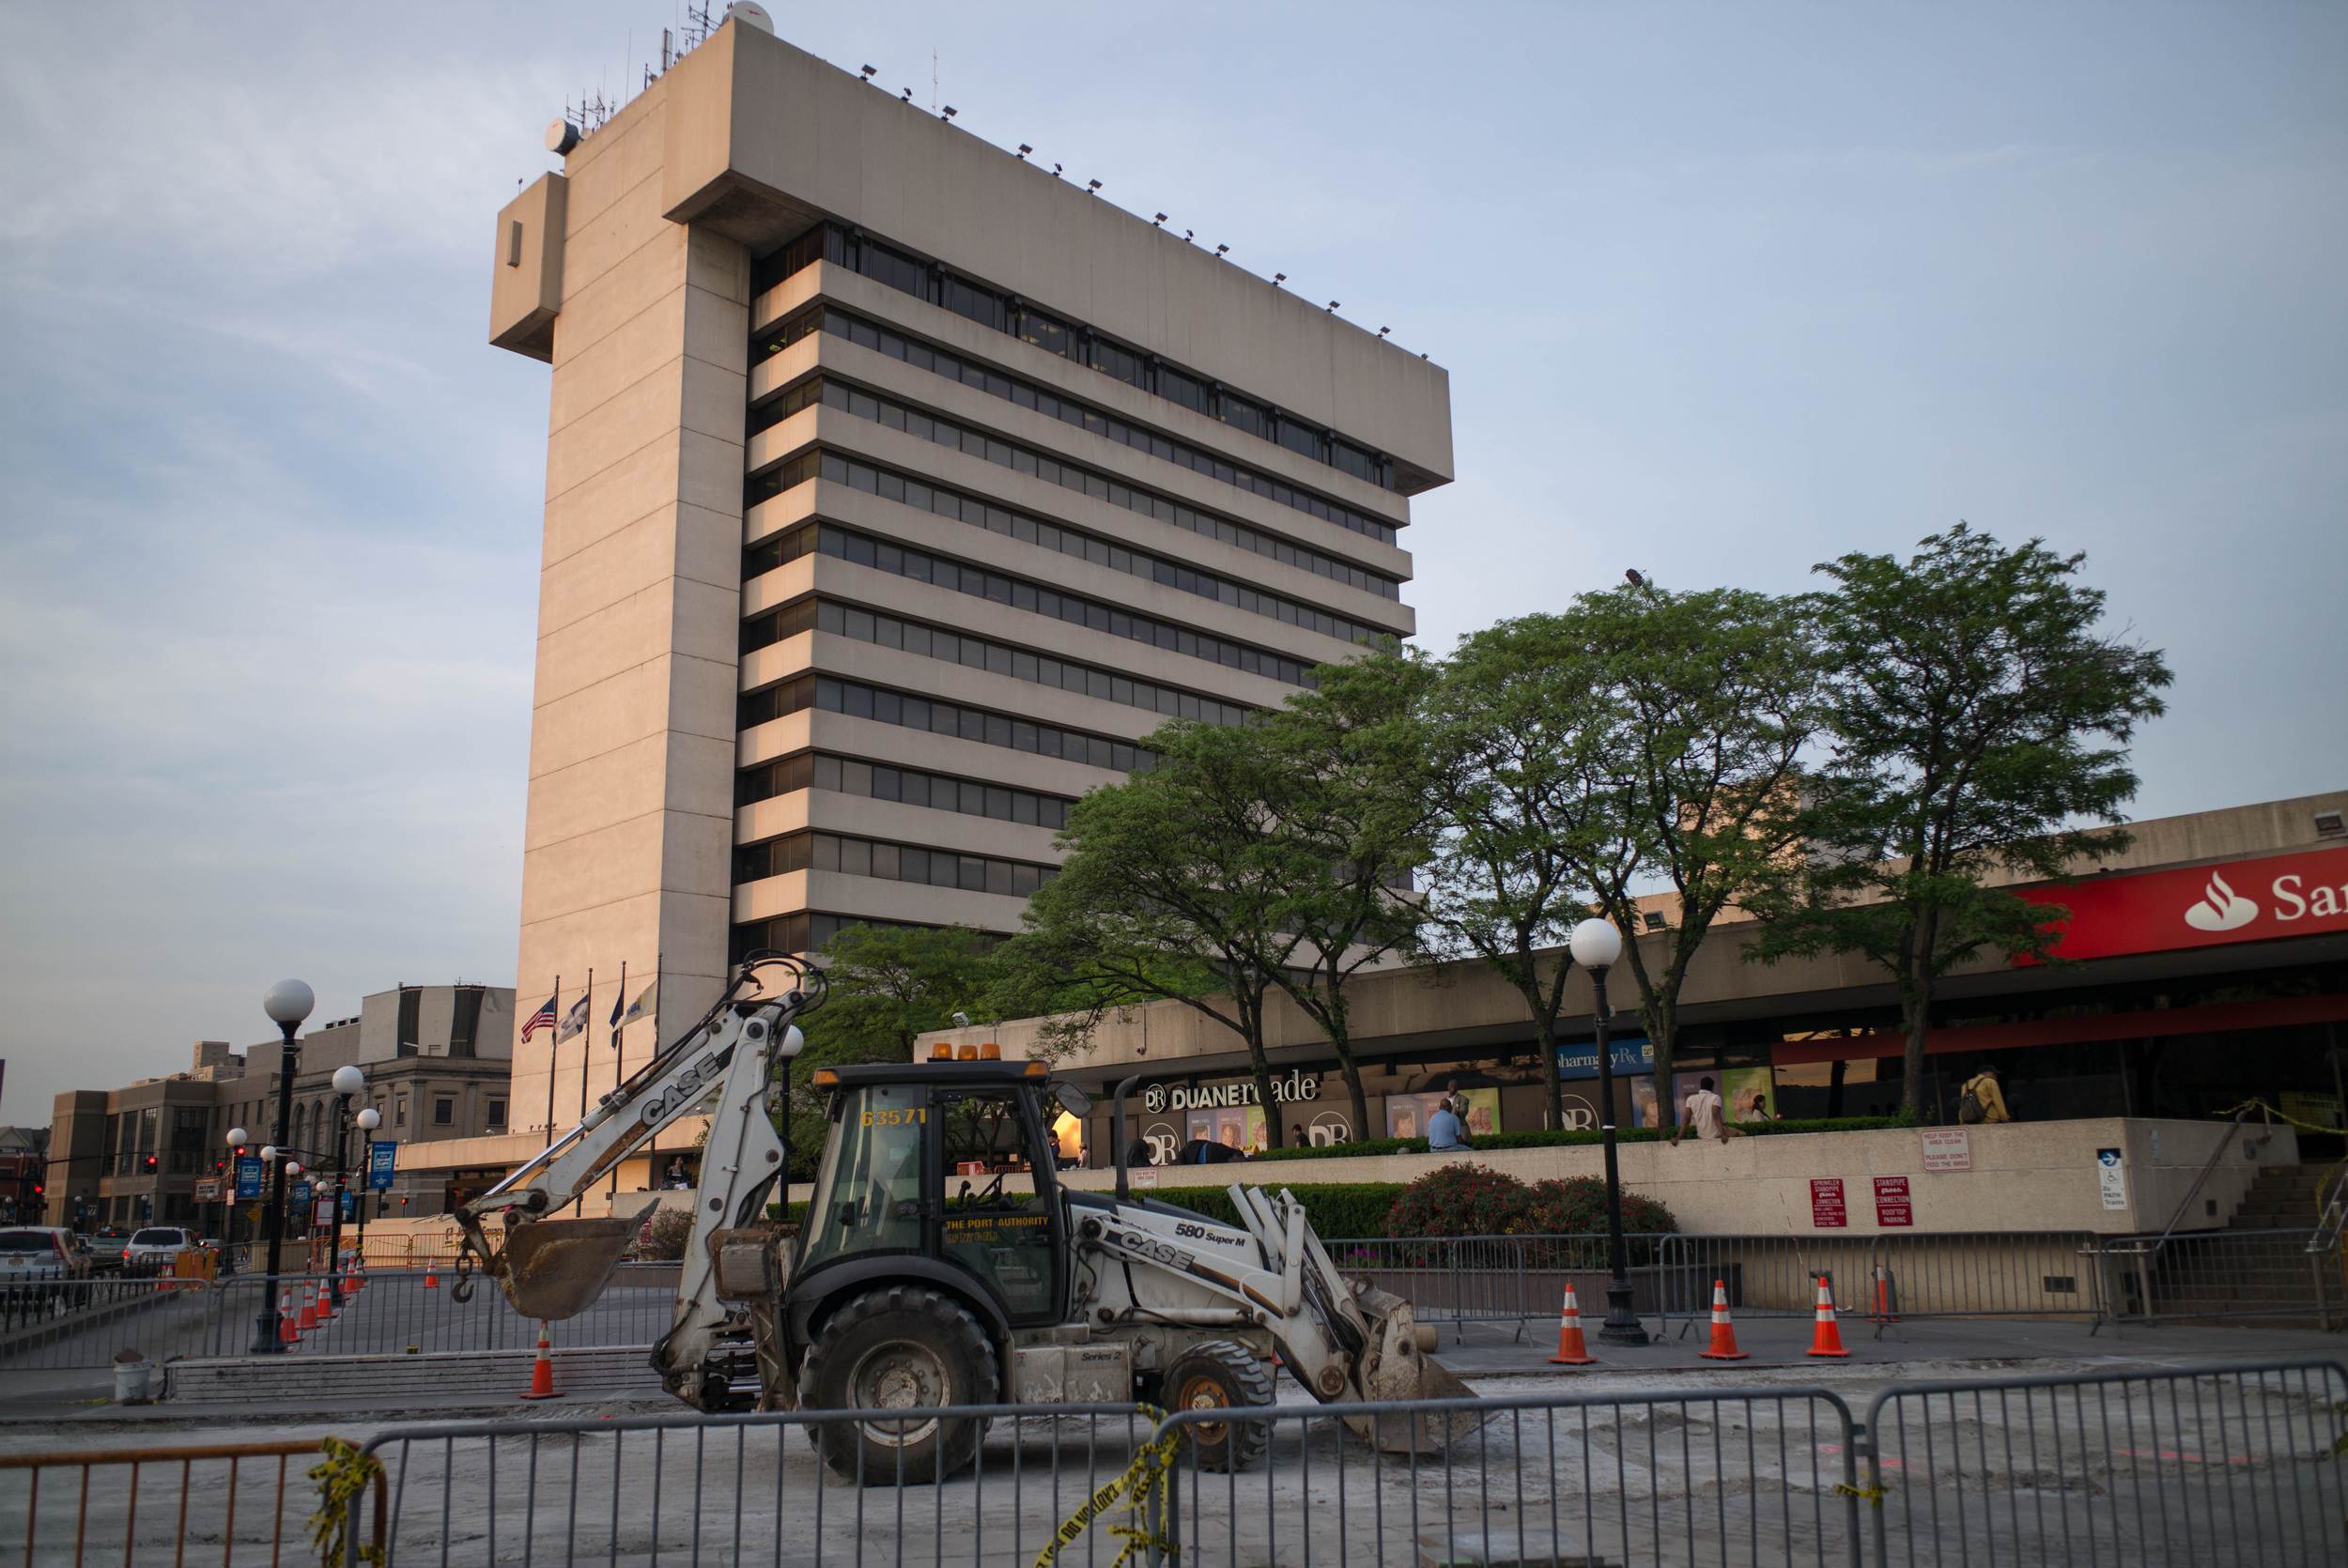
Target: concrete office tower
[(896, 489)]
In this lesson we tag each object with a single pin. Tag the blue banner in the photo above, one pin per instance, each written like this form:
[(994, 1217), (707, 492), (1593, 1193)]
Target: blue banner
[(248, 1177), (351, 1206), (299, 1197), (1632, 1054), (379, 1156)]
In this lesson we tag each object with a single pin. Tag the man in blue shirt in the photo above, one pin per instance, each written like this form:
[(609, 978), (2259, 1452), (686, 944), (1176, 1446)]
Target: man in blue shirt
[(1444, 1131)]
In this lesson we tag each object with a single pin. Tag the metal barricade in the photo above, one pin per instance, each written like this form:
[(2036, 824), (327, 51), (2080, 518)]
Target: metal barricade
[(84, 1324), (746, 1489), (2216, 1275), (226, 1504), (1753, 1475), (2201, 1466)]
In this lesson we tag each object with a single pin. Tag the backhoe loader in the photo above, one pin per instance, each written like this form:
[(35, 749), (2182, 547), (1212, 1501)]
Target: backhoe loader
[(942, 1262)]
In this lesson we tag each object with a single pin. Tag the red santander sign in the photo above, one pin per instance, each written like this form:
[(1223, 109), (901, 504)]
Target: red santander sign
[(2242, 900)]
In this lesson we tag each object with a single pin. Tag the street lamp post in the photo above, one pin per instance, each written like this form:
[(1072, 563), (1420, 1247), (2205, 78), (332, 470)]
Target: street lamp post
[(349, 1081), (1596, 945), (287, 1004), (368, 1120)]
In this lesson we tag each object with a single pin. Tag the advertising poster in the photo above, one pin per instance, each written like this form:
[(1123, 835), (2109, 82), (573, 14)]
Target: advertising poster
[(1892, 1202), (1406, 1115), (1745, 1092), (1825, 1203)]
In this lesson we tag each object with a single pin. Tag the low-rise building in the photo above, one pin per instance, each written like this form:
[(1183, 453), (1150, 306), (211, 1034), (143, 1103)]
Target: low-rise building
[(436, 1060)]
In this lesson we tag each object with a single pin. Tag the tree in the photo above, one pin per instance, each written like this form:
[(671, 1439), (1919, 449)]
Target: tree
[(1172, 891), (1517, 721), (1978, 715), (1347, 811), (1716, 699)]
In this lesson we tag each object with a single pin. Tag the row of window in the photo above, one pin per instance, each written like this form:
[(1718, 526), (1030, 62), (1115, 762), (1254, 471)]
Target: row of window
[(858, 700), (887, 631), (1010, 315), (985, 378), (905, 786), (802, 932), (890, 486), (864, 550), (1068, 476), (868, 857)]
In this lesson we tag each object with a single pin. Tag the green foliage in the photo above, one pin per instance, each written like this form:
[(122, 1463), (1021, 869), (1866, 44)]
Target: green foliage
[(1462, 1199), (664, 1235), (1336, 1210), (1973, 698), (1576, 1206), (1643, 737)]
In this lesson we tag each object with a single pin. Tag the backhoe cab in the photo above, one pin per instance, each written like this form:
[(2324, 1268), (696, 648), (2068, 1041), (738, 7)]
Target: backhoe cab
[(942, 1263)]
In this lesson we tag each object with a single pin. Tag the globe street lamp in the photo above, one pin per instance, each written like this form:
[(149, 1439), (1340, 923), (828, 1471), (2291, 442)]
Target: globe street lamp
[(236, 1142), (1595, 945), (368, 1120), (287, 1004), (349, 1081)]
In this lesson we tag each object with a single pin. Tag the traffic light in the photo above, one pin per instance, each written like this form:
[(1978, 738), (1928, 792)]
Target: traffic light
[(147, 1164)]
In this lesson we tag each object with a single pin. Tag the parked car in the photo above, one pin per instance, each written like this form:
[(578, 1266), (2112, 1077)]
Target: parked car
[(41, 1252), (151, 1248)]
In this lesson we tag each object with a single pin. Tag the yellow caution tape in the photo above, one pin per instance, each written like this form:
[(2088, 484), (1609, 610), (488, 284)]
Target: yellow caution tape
[(342, 1476), (1875, 1495), (1146, 1476)]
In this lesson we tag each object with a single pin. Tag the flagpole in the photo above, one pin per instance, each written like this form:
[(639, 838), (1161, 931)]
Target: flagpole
[(586, 1052), (554, 1043)]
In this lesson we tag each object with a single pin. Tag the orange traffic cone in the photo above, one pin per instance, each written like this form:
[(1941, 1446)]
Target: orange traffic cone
[(1883, 1313), (1723, 1331), (431, 1280), (309, 1309), (288, 1331), (542, 1372), (1826, 1340), (1571, 1350)]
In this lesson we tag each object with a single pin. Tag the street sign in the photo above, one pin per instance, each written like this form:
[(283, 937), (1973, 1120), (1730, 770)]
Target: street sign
[(380, 1158), (248, 1177), (1893, 1205), (207, 1191), (1825, 1203), (351, 1206), (300, 1195), (1948, 1148), (2109, 1179)]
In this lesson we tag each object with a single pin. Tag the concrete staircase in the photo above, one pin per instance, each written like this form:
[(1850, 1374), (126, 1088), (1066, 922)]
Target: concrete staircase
[(2281, 1198)]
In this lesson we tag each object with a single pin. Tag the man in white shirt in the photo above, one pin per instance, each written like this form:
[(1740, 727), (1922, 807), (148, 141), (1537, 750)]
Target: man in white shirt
[(1700, 1112)]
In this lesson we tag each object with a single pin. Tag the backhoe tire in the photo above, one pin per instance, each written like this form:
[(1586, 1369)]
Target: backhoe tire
[(899, 1349), (1216, 1373)]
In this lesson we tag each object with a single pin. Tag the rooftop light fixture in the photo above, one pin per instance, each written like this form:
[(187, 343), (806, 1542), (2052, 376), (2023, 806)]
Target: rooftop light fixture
[(1333, 305), (1024, 150), (1383, 331), (1278, 278), (1221, 250), (1156, 221), (870, 71), (1093, 185)]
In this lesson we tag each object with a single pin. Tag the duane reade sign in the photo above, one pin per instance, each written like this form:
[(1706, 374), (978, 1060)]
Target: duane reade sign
[(1217, 1097), (2202, 906)]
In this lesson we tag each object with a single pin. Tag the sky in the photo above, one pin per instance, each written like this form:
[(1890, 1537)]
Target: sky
[(1723, 291)]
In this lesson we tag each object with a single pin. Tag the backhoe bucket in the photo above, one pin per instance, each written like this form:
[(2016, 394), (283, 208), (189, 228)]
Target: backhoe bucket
[(1397, 1366), (551, 1270)]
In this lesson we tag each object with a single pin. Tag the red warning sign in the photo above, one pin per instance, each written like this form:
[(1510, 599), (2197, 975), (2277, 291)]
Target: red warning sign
[(1825, 1203), (1891, 1204)]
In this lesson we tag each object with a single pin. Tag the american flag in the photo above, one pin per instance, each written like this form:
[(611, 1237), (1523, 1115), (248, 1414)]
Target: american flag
[(542, 1018)]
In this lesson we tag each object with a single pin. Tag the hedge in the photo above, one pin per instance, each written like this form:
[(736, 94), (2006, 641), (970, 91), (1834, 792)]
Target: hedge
[(1486, 1143), (1336, 1208)]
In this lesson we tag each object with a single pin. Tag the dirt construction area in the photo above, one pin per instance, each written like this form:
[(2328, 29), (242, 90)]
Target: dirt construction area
[(2084, 1462)]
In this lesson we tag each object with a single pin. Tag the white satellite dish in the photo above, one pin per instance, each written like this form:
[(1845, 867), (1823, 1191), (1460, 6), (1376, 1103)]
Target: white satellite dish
[(752, 15), (562, 136)]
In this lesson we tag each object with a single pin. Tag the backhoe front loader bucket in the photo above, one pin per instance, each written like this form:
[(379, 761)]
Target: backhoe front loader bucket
[(1397, 1366), (552, 1269)]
